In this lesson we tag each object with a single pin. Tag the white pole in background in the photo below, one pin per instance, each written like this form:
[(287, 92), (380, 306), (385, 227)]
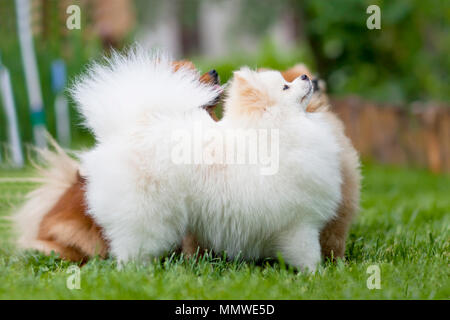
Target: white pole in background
[(61, 104), (31, 72), (11, 118)]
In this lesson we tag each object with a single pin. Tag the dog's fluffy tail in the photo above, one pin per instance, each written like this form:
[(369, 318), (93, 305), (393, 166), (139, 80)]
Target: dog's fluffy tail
[(128, 89), (56, 174)]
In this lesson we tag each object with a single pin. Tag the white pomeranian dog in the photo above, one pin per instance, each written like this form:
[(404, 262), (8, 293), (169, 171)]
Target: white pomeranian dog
[(146, 202)]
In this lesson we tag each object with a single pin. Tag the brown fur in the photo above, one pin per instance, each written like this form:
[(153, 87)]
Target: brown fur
[(334, 234), (293, 73), (190, 245), (68, 226)]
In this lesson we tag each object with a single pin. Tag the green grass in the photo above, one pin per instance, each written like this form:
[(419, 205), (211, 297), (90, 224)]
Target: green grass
[(403, 228)]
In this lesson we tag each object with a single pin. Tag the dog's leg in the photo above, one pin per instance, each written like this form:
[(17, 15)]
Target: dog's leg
[(127, 249), (300, 247), (134, 240), (334, 235), (190, 246), (135, 250)]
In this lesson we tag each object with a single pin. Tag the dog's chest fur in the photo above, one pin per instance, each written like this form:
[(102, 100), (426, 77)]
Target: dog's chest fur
[(238, 210)]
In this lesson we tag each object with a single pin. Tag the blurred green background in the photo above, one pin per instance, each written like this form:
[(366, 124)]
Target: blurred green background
[(407, 60)]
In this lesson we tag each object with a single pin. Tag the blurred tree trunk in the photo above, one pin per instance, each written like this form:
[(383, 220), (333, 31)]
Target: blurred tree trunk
[(188, 14), (303, 35), (113, 21)]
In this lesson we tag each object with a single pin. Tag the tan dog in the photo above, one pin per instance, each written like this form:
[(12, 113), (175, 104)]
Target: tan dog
[(334, 235)]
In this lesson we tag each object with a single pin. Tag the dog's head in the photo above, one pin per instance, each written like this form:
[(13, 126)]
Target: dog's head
[(319, 100), (211, 78), (265, 93)]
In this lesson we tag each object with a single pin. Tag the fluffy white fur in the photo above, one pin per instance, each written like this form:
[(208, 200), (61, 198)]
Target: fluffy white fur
[(146, 203), (125, 90)]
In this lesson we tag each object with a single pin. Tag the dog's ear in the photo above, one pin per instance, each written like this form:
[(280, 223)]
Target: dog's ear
[(296, 71), (245, 89), (210, 77), (244, 76)]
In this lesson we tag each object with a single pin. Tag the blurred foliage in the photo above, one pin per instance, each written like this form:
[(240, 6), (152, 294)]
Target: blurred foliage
[(257, 16), (407, 60), (75, 48)]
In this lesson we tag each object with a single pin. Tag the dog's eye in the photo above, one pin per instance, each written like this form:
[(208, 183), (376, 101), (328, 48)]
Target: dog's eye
[(285, 87)]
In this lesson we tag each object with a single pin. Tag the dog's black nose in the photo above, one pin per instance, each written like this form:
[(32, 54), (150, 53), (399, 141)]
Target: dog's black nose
[(304, 77), (214, 75)]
